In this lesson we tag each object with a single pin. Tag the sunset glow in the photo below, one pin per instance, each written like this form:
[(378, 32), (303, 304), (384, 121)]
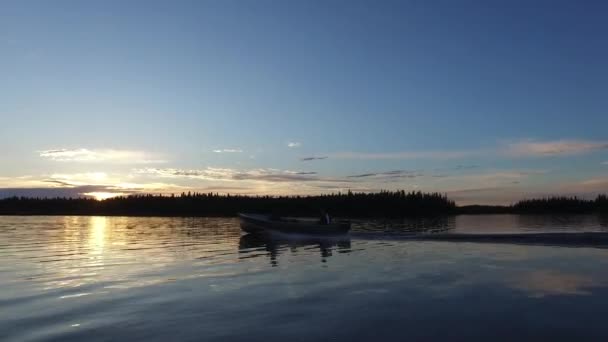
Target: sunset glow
[(349, 97), (100, 196), (345, 170)]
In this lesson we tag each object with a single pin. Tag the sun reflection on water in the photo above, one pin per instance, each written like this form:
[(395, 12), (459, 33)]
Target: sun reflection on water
[(97, 234)]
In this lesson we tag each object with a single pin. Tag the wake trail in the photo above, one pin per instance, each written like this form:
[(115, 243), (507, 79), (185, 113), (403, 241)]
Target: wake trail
[(573, 239)]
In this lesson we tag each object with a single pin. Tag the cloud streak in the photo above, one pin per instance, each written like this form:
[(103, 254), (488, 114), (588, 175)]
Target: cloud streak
[(99, 155), (313, 158), (67, 190), (76, 191), (294, 144), (225, 174), (406, 155), (228, 150), (554, 148), (388, 174), (520, 149)]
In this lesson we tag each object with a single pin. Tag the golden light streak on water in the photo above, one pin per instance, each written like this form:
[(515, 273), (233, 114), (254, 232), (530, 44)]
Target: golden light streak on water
[(97, 235)]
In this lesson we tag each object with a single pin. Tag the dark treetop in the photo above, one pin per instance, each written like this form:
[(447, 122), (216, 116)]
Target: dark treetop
[(381, 204)]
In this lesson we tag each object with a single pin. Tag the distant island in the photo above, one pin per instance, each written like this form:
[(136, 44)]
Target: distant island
[(386, 204)]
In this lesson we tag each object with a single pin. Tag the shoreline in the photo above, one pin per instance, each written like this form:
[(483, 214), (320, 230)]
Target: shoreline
[(389, 218), (385, 205)]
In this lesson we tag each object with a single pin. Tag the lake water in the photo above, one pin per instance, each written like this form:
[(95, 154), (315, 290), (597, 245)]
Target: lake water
[(200, 279)]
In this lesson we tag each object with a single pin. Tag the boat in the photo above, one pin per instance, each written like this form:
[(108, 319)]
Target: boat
[(257, 223)]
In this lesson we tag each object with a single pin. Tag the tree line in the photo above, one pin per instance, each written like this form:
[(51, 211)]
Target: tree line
[(563, 205), (349, 204)]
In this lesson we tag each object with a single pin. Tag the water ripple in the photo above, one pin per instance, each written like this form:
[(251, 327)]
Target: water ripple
[(116, 277)]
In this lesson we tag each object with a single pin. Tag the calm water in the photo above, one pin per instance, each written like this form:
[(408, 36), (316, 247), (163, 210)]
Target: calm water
[(199, 279)]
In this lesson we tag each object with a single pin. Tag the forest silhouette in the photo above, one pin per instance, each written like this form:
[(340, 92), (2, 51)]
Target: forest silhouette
[(379, 204)]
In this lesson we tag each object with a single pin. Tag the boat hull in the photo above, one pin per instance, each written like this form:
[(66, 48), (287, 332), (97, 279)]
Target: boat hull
[(252, 223)]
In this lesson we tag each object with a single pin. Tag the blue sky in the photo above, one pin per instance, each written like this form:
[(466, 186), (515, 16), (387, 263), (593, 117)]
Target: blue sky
[(489, 101)]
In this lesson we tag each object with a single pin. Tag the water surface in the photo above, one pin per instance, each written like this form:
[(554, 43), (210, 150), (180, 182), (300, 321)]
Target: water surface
[(193, 279)]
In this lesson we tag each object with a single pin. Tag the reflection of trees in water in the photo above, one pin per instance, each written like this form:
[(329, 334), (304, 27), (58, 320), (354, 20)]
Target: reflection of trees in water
[(603, 221), (562, 222), (275, 245), (409, 225)]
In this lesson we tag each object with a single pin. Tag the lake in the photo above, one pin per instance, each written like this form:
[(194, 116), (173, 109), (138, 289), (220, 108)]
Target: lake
[(199, 279)]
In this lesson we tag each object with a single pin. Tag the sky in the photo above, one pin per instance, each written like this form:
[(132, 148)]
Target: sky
[(486, 101)]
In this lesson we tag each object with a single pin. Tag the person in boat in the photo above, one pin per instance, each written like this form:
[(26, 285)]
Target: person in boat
[(325, 218)]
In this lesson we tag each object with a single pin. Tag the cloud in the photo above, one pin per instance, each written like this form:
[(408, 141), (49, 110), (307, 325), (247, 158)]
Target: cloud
[(605, 163), (363, 175), (221, 188), (21, 182), (388, 174), (80, 178), (228, 150), (110, 181), (552, 148), (98, 179), (524, 148), (494, 178), (262, 175), (101, 155), (63, 189), (293, 144), (208, 173), (211, 173), (91, 184), (77, 191), (313, 158), (406, 155), (58, 182), (465, 167), (459, 167)]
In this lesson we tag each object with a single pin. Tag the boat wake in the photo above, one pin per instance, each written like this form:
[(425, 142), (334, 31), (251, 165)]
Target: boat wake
[(574, 239), (558, 239)]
